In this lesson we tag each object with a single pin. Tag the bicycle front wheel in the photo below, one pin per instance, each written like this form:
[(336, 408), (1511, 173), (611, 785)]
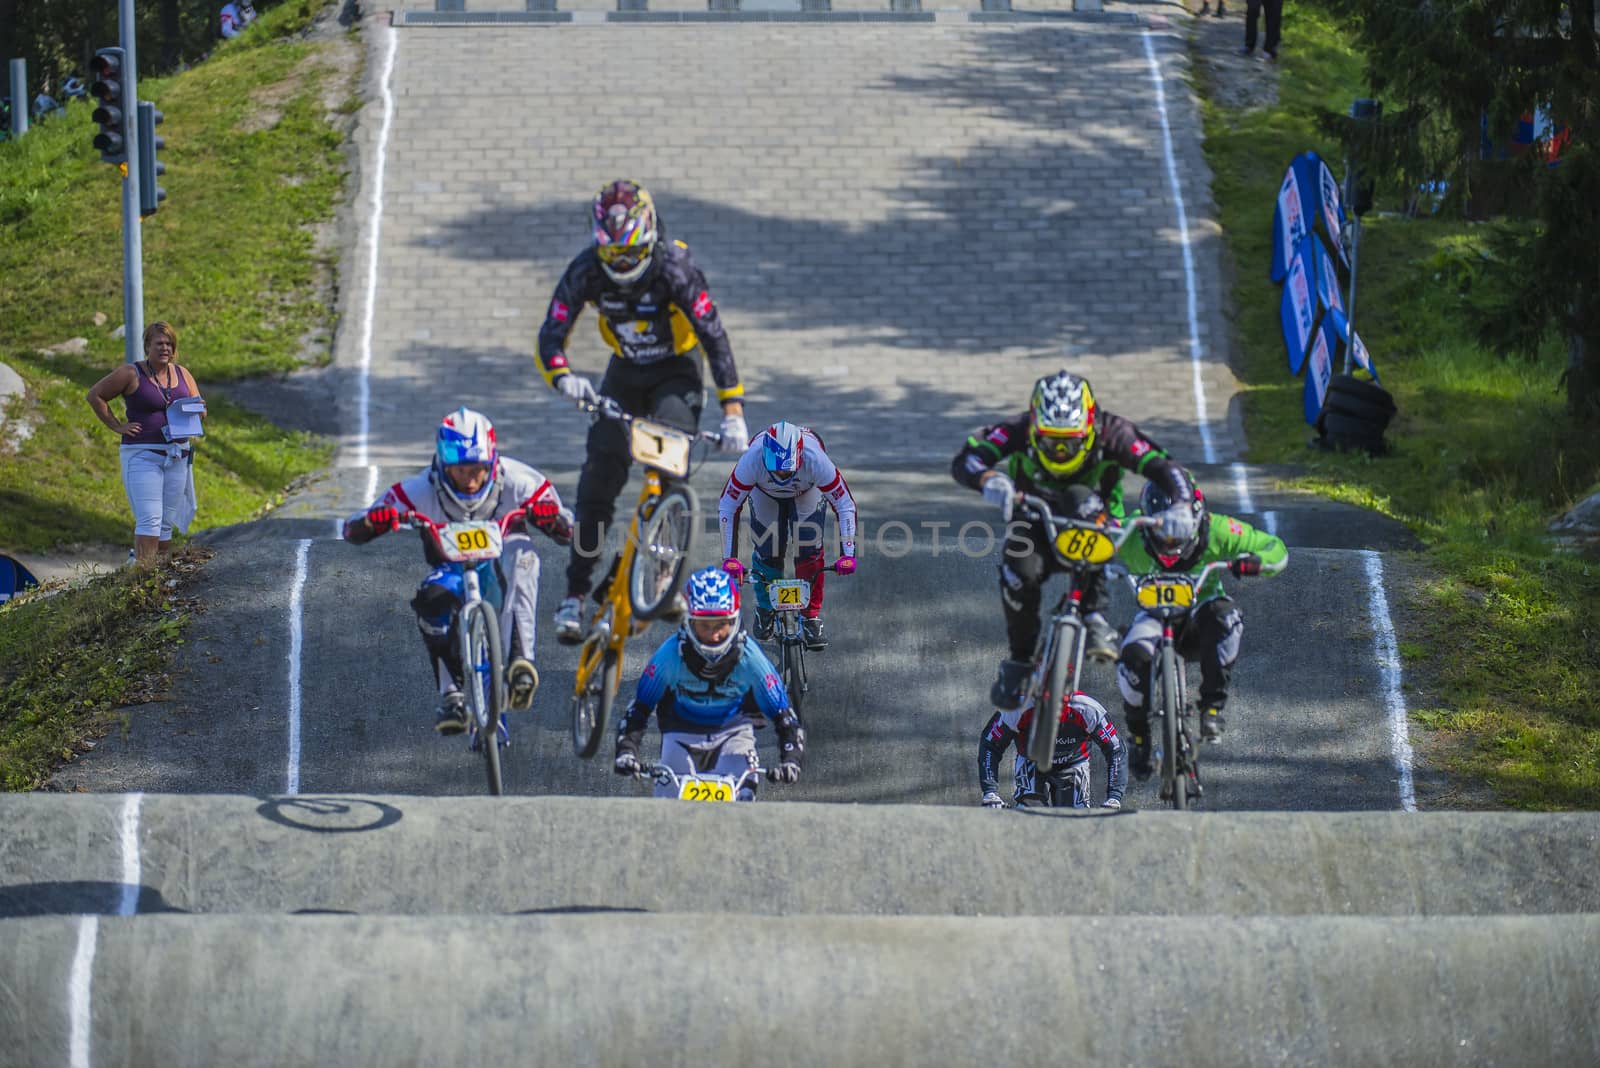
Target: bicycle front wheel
[(1173, 776), (794, 673), (485, 683), (1047, 707), (591, 706), (666, 544)]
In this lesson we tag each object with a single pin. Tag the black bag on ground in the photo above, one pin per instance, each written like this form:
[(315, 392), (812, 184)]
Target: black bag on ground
[(1354, 415)]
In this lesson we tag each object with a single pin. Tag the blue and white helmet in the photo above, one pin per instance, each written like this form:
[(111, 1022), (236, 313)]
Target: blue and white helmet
[(465, 437), (712, 594), (780, 450)]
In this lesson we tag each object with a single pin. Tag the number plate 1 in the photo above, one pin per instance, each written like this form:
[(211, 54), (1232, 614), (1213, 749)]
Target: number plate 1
[(705, 790), (660, 446), (789, 595), (468, 543), (1165, 593)]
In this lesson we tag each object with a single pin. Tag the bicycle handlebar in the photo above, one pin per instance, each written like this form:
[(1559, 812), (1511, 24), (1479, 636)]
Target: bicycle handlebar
[(663, 775), (1117, 532), (608, 408)]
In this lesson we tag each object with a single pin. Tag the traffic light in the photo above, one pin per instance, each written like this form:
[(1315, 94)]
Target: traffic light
[(150, 194), (112, 112)]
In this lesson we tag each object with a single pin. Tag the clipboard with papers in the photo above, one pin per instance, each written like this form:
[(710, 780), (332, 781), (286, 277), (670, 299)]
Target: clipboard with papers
[(183, 418)]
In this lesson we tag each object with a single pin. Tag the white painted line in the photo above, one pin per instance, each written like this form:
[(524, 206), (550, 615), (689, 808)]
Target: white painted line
[(132, 867), (296, 642), (1386, 651), (78, 984), (1241, 488), (371, 495), (1208, 448), (374, 233)]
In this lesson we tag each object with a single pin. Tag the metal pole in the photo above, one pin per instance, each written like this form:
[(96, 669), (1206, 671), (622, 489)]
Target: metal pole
[(1350, 301), (132, 245), (19, 97)]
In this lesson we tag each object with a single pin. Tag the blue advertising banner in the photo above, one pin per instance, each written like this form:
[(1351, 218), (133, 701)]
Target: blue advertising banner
[(1307, 194), (1351, 340), (1327, 279), (1298, 308), (1319, 368), (1289, 222), (1330, 207), (14, 578)]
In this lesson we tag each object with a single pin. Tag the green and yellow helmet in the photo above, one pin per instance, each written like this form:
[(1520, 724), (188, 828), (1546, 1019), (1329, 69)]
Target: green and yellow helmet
[(1061, 423)]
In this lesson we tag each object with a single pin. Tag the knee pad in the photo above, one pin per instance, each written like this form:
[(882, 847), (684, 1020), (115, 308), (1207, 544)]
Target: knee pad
[(1130, 681), (437, 600)]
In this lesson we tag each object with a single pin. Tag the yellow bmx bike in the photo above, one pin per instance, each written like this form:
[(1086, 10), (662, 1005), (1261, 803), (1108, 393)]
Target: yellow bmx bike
[(643, 580)]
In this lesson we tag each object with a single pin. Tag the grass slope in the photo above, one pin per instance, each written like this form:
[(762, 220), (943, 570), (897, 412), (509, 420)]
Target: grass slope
[(1505, 661), (230, 260)]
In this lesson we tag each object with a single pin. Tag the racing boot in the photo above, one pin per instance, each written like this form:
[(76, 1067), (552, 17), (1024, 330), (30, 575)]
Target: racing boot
[(521, 682), (766, 624), (452, 715), (1211, 723), (1102, 640), (569, 620), (811, 631), (1007, 689), (1138, 742)]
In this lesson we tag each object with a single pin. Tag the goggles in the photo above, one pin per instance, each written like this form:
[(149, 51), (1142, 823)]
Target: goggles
[(623, 257), (1059, 448)]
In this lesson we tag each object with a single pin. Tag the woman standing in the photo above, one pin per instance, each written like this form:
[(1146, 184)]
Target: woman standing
[(157, 474)]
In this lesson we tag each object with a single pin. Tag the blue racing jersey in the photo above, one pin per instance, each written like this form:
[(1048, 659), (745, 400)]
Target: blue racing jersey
[(684, 701)]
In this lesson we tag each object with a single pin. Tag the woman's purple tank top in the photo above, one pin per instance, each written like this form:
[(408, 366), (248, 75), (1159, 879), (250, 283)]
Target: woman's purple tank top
[(147, 405)]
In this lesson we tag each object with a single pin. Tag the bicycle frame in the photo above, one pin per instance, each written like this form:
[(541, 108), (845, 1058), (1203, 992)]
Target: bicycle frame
[(1168, 596), (599, 672), (483, 670), (1058, 664)]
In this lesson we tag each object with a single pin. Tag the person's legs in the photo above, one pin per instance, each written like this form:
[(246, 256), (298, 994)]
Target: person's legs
[(604, 473), (144, 483), (1274, 24), (520, 564), (1252, 13), (1133, 669), (1212, 636), (174, 483)]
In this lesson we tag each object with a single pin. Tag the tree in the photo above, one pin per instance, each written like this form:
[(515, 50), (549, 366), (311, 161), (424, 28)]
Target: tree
[(1454, 74)]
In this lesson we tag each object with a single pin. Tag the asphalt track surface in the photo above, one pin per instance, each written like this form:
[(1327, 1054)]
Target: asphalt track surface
[(904, 225)]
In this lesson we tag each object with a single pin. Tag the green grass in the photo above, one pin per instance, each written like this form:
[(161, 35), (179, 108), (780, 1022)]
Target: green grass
[(68, 661), (252, 166), (1508, 647)]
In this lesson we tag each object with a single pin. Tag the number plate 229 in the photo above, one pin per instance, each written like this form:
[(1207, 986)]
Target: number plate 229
[(705, 790)]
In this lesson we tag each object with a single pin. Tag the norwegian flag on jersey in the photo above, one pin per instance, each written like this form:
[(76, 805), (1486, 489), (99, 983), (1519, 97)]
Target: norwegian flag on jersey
[(559, 311), (702, 305)]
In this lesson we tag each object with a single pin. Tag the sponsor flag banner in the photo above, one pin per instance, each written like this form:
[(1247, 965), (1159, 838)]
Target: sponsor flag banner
[(1327, 277), (1319, 368), (14, 578), (1330, 206), (1350, 340), (1289, 222), (1298, 308)]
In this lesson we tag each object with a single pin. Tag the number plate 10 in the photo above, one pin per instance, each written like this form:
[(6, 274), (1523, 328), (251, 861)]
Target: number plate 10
[(468, 543), (1165, 593)]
